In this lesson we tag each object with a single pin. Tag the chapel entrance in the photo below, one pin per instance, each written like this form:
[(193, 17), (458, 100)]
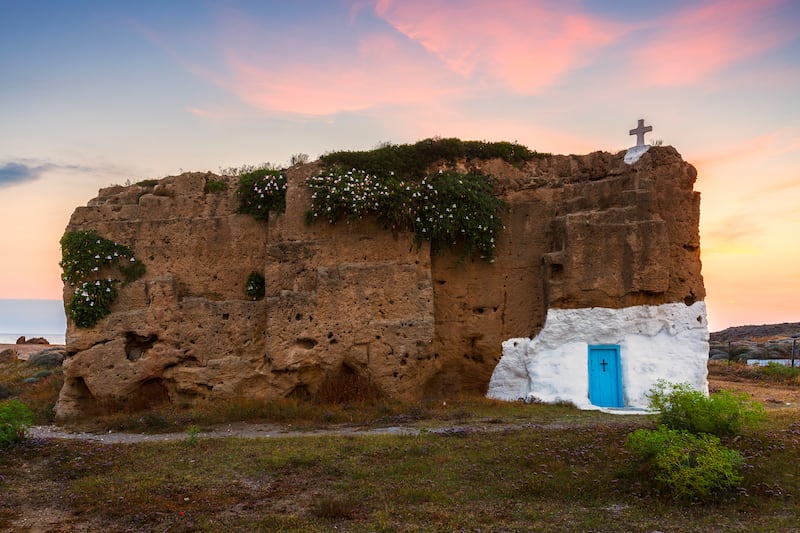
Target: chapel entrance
[(605, 383)]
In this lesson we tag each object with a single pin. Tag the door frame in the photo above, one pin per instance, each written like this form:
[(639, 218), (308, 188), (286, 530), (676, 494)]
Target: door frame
[(618, 366)]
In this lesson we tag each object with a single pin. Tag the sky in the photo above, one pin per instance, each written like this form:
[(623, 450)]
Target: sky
[(95, 93)]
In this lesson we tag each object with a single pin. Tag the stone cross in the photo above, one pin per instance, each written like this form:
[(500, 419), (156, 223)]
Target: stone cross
[(639, 131)]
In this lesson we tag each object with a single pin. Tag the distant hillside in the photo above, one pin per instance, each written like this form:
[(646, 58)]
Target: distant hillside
[(757, 333), (768, 341)]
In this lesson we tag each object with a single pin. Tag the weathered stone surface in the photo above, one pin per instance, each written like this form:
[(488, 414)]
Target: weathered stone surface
[(580, 231), (48, 358)]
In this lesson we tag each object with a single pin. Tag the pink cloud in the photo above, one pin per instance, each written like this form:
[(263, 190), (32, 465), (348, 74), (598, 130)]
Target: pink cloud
[(377, 73), (525, 45), (694, 44), (435, 54)]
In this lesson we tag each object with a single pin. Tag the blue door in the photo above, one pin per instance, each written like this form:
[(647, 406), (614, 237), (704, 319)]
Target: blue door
[(605, 383)]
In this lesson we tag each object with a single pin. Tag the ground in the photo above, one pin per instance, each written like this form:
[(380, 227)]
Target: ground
[(455, 466)]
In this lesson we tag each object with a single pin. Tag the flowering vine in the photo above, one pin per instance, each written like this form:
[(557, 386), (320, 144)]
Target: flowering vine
[(85, 255), (262, 191), (444, 209)]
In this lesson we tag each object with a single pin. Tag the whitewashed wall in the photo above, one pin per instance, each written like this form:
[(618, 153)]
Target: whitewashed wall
[(668, 341)]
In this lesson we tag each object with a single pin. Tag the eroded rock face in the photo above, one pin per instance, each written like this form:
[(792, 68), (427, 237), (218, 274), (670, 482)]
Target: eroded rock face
[(354, 298)]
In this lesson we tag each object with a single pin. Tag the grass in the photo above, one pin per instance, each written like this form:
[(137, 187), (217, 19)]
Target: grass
[(529, 478), (773, 372), (40, 396), (500, 466)]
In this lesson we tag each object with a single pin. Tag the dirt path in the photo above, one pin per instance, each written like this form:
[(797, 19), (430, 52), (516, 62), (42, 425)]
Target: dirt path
[(772, 395), (239, 429)]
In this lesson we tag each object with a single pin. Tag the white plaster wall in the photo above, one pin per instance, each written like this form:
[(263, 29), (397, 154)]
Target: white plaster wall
[(668, 341)]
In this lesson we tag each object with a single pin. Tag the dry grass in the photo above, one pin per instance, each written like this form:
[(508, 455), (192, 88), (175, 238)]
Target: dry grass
[(542, 468), (542, 477), (39, 395)]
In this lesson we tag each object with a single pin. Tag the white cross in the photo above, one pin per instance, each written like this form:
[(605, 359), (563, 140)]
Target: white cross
[(639, 131)]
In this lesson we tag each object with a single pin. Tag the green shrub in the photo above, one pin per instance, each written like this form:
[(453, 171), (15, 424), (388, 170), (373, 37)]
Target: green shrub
[(256, 286), (15, 419), (688, 466), (446, 209), (147, 183), (214, 186), (192, 433), (723, 413), (351, 194), (83, 255), (412, 161), (778, 372), (455, 207), (91, 301), (262, 191)]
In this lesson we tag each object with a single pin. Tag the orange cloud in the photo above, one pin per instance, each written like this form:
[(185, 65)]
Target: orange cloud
[(693, 44), (526, 45)]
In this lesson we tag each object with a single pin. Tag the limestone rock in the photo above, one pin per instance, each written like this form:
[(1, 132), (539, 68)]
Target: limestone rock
[(34, 340), (355, 299)]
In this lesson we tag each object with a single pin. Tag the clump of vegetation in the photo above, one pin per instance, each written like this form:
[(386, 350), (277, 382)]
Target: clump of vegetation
[(298, 159), (15, 419), (261, 191), (409, 161), (147, 183), (391, 184), (454, 207), (255, 286), (684, 455), (91, 301), (84, 254), (723, 413), (779, 372), (350, 194), (214, 186), (192, 433), (444, 209), (688, 466)]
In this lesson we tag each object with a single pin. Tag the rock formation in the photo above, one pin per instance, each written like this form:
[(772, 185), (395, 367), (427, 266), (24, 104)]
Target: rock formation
[(354, 299)]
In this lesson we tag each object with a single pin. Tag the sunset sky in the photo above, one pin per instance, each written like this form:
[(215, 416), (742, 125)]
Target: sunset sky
[(94, 93)]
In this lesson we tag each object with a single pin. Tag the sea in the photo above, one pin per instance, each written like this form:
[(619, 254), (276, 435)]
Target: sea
[(52, 338), (32, 318)]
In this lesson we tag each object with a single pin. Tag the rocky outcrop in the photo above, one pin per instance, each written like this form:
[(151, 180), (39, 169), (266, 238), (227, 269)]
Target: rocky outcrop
[(356, 299), (34, 340)]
